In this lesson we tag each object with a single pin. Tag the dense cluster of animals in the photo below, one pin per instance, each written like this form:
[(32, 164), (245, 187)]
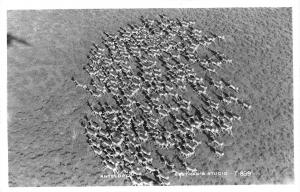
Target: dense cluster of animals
[(143, 122)]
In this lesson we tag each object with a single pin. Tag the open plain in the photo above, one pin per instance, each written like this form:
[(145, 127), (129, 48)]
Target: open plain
[(46, 143)]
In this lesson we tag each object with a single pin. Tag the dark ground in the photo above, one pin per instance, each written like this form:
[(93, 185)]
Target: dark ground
[(46, 145)]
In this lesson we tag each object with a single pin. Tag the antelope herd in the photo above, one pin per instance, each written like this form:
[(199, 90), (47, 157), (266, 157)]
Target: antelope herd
[(143, 120)]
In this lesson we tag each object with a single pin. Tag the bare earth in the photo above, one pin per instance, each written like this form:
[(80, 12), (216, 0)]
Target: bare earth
[(46, 145)]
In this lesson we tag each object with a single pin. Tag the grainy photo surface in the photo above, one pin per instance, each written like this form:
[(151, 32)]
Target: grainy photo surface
[(150, 97)]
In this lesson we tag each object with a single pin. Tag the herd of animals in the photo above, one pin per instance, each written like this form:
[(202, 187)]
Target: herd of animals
[(143, 121)]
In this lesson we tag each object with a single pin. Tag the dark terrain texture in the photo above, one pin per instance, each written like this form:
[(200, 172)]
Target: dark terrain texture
[(46, 144)]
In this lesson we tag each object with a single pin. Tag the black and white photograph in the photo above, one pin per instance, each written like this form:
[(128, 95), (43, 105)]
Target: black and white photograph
[(150, 97)]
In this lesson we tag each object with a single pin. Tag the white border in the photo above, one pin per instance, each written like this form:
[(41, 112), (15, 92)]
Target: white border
[(3, 100), (94, 4)]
